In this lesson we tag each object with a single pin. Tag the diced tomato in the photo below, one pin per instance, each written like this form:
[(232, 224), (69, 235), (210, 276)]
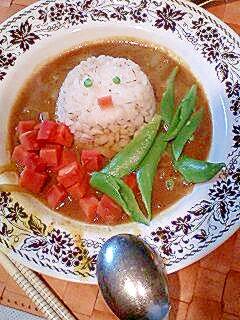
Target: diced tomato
[(68, 156), (89, 206), (47, 130), (36, 164), (79, 190), (92, 160), (63, 135), (37, 126), (20, 155), (56, 195), (71, 174), (32, 180), (109, 211), (27, 125), (51, 154), (131, 181), (29, 159), (29, 140), (105, 102)]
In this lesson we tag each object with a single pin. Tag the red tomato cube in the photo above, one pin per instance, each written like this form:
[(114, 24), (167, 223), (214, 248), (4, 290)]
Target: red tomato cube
[(36, 164), (26, 125), (63, 136), (105, 102), (37, 126), (68, 156), (51, 155), (20, 155), (131, 181), (109, 211), (71, 174), (29, 159), (32, 180), (56, 195), (89, 207), (47, 130), (29, 140), (92, 160), (79, 190)]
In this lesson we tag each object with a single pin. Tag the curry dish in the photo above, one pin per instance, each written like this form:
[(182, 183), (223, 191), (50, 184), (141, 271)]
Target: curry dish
[(41, 91)]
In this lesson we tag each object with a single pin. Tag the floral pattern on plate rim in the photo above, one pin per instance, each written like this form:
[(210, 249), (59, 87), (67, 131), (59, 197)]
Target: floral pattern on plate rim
[(58, 250)]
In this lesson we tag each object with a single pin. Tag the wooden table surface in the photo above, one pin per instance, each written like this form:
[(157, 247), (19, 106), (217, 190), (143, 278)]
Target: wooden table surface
[(207, 290)]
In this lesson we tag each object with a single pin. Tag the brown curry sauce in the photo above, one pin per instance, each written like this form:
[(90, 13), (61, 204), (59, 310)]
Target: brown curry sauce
[(41, 90)]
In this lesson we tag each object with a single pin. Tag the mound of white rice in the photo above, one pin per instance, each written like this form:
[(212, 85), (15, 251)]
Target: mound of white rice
[(113, 127)]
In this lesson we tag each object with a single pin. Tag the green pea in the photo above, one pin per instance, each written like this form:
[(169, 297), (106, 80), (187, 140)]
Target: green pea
[(88, 83), (170, 184), (116, 80)]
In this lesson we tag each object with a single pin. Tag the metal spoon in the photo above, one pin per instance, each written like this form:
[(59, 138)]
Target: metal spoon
[(132, 279)]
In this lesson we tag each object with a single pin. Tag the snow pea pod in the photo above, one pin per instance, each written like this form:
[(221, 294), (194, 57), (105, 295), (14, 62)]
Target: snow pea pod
[(167, 102), (129, 158), (106, 184), (186, 133), (133, 209), (116, 189), (197, 170), (182, 114), (147, 171)]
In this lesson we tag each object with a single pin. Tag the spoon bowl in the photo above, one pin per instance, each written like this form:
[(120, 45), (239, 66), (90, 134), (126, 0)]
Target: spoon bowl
[(132, 279)]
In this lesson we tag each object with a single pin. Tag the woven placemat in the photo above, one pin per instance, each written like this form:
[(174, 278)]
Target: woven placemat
[(207, 290)]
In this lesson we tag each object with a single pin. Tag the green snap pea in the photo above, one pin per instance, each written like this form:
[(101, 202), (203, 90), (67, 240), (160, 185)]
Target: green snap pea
[(107, 185), (167, 102), (116, 189), (129, 158), (196, 171), (186, 133), (147, 171), (182, 114), (132, 206)]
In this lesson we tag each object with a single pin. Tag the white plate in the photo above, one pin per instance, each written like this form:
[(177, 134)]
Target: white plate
[(195, 225)]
